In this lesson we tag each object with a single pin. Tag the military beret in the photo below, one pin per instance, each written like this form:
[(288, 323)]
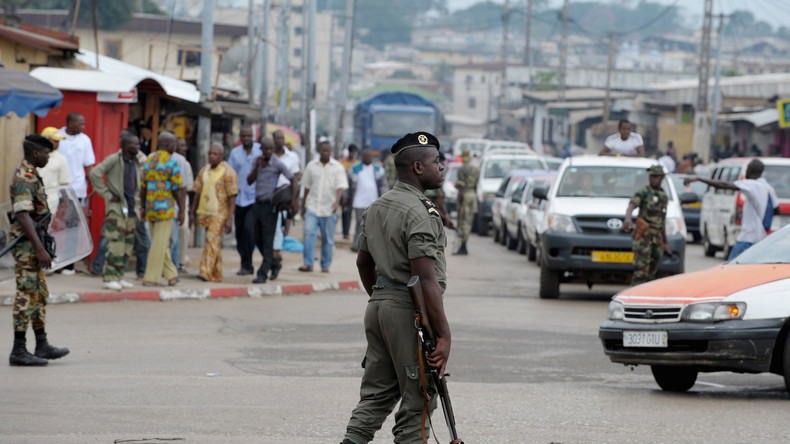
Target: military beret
[(415, 140), (656, 170)]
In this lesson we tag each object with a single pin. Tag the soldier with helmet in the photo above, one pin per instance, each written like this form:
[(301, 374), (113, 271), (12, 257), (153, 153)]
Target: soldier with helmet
[(31, 254)]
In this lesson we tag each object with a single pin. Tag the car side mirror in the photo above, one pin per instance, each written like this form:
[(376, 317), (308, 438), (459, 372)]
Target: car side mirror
[(499, 194), (540, 193), (688, 198)]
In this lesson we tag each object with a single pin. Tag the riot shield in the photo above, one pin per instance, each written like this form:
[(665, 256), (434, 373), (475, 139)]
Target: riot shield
[(67, 225)]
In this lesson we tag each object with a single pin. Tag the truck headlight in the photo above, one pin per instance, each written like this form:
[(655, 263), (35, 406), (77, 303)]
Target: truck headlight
[(714, 311), (616, 310), (562, 223), (676, 225)]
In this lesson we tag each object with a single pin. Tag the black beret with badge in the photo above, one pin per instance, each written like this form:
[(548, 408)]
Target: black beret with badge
[(656, 170), (415, 140)]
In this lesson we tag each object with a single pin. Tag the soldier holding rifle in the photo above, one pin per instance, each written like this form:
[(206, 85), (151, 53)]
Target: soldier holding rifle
[(405, 238)]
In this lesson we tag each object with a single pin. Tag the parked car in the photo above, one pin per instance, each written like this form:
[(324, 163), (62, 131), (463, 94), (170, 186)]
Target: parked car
[(448, 187), (733, 317), (691, 210), (534, 224), (475, 146), (515, 215), (493, 168), (720, 216), (501, 199), (584, 240), (552, 163), (506, 145)]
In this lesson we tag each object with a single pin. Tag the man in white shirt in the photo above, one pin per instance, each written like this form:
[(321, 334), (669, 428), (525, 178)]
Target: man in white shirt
[(77, 148), (324, 181), (186, 181), (292, 162), (56, 172), (758, 193), (368, 181), (242, 159), (623, 142)]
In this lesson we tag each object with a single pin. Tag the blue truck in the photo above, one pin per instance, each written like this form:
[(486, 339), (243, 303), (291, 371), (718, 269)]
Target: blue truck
[(380, 120)]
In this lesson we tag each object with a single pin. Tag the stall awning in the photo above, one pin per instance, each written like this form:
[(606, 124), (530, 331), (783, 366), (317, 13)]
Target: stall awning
[(758, 119), (21, 94)]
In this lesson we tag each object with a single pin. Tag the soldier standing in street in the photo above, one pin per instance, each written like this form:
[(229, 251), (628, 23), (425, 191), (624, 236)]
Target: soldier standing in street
[(405, 238), (467, 199), (650, 237), (29, 207)]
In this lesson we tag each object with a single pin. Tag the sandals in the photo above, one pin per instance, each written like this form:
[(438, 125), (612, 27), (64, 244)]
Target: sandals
[(173, 281), (305, 268)]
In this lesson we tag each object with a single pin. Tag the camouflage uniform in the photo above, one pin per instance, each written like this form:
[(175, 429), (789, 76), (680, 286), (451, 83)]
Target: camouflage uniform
[(652, 205), (467, 184), (27, 194)]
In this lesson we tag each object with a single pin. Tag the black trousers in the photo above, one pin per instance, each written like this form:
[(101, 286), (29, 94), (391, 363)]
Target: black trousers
[(264, 227), (244, 219), (347, 220)]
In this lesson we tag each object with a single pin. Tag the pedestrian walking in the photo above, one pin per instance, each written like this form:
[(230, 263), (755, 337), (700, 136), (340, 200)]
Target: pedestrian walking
[(186, 183), (367, 181), (242, 159), (468, 175), (650, 237), (216, 188), (161, 192), (184, 232), (347, 161), (624, 142), (117, 180), (761, 204), (77, 148), (29, 207), (324, 182), (56, 173), (284, 218), (264, 175), (402, 236)]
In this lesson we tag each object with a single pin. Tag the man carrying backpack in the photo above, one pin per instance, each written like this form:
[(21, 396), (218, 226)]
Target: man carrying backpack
[(758, 210)]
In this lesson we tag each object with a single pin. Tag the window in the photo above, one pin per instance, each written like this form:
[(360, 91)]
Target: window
[(472, 103), (192, 57), (297, 52), (296, 73), (298, 30), (296, 9), (112, 48)]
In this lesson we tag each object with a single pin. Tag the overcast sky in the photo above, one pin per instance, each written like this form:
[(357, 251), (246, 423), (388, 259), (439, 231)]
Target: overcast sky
[(775, 12)]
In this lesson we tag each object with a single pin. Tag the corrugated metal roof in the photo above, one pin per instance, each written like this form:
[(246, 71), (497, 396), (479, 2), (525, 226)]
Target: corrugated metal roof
[(84, 80), (28, 36)]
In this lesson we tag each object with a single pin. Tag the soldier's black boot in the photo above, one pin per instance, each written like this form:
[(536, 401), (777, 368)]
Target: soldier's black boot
[(19, 354), (461, 251), (45, 350)]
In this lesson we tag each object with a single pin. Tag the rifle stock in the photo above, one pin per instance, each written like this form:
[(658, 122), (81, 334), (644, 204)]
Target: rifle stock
[(425, 332)]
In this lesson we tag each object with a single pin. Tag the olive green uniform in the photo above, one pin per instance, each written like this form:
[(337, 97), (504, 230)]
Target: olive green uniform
[(405, 225), (27, 194), (652, 205), (466, 184)]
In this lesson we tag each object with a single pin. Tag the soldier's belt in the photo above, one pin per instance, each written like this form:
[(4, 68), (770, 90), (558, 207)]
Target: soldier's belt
[(383, 282)]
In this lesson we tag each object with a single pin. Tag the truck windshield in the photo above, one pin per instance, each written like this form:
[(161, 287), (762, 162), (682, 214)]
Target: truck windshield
[(394, 124), (604, 182)]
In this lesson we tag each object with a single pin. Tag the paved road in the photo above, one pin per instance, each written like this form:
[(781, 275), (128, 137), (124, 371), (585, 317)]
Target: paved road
[(286, 370)]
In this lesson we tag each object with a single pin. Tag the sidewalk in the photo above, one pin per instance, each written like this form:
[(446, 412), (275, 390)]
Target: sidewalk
[(83, 287)]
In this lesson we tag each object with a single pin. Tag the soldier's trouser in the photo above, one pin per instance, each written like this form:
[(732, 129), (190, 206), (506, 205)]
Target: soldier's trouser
[(466, 214), (159, 262), (31, 289), (392, 373), (647, 256), (119, 232), (211, 262)]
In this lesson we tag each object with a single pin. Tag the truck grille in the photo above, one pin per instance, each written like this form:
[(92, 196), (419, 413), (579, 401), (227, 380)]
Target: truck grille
[(599, 224), (587, 251), (652, 314)]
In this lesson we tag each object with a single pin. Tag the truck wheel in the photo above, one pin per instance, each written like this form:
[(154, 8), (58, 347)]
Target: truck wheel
[(511, 243), (549, 283), (707, 247), (504, 237), (532, 252), (482, 225), (521, 244), (786, 362), (496, 236), (674, 379)]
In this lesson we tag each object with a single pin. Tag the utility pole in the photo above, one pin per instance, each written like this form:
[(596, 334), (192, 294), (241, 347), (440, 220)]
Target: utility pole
[(563, 50), (204, 123), (285, 68), (716, 89), (701, 118), (527, 50), (306, 24), (250, 52), (310, 97), (264, 75), (345, 77), (607, 108), (503, 74)]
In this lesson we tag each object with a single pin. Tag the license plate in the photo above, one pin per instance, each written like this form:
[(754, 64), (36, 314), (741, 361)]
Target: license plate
[(623, 257), (654, 339)]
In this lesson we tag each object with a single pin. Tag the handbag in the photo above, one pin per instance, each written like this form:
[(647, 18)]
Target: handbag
[(282, 198)]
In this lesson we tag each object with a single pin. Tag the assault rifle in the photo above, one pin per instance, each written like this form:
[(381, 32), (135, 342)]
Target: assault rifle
[(428, 344), (41, 229)]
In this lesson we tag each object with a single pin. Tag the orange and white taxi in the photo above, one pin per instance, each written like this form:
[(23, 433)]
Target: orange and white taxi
[(733, 317)]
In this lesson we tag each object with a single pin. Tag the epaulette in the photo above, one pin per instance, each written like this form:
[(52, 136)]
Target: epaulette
[(432, 209)]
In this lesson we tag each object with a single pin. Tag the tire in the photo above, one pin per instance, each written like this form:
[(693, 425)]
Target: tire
[(674, 379), (521, 244), (497, 235), (786, 362), (549, 283), (696, 237), (504, 237), (727, 247), (532, 252), (707, 247), (482, 225), (511, 243)]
